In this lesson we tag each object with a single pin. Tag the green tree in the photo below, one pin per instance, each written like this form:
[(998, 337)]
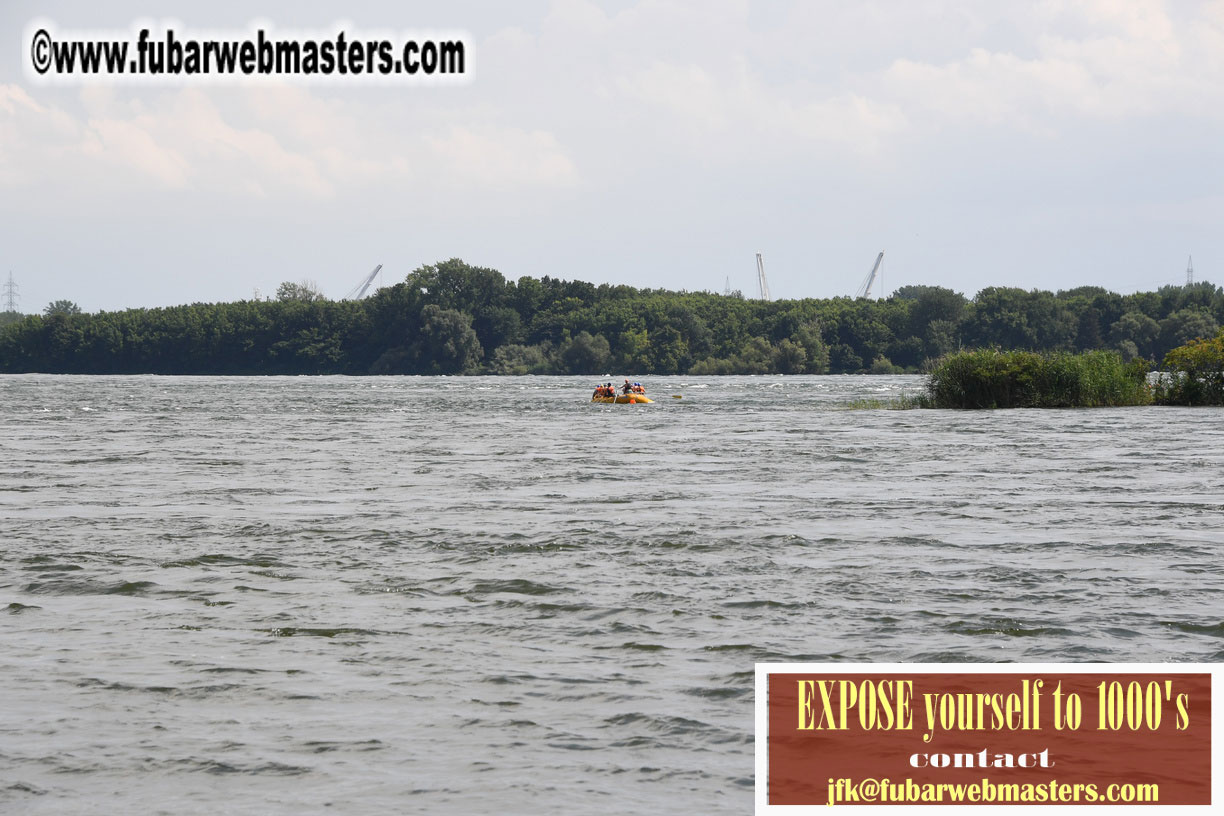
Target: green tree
[(1137, 329), (931, 303), (844, 360), (668, 351), (585, 354), (447, 344), (1016, 319), (942, 337), (519, 359), (815, 353), (756, 357), (1129, 351), (1185, 325), (62, 307), (456, 285), (883, 365), (1088, 332), (496, 326), (790, 357), (304, 292)]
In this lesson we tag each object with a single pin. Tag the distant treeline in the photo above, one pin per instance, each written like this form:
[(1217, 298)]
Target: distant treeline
[(452, 318)]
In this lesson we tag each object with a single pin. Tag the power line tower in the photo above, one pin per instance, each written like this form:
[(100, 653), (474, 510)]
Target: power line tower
[(727, 291), (762, 284), (10, 295), (1190, 271)]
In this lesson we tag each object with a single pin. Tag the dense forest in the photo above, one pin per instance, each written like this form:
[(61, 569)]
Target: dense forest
[(453, 318)]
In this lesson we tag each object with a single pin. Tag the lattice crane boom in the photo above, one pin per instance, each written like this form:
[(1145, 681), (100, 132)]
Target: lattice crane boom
[(358, 291), (865, 289), (762, 283)]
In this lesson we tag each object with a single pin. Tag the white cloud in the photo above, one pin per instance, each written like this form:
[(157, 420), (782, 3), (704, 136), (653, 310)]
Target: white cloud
[(176, 141), (745, 115), (1107, 59), (32, 136), (130, 146), (276, 143)]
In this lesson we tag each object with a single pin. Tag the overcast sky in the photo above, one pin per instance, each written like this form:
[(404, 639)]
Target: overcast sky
[(1043, 144)]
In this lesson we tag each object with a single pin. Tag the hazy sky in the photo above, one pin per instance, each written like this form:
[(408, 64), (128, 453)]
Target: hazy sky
[(1044, 144)]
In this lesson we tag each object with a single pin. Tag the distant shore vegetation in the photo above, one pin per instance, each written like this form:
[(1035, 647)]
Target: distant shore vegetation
[(454, 318)]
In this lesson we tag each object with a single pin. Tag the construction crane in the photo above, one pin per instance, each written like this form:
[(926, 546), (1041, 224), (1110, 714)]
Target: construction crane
[(762, 284), (865, 289), (358, 291)]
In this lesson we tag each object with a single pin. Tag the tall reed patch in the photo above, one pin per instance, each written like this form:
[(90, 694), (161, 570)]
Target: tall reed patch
[(1025, 379)]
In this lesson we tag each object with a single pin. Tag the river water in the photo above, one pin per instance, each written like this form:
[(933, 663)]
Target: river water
[(486, 595)]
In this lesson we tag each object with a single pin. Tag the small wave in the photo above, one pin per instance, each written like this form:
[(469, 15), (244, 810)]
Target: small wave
[(558, 607), (946, 656), (304, 631), (566, 544), (133, 588), (732, 647), (510, 679), (213, 766), (26, 787), (712, 693), (232, 670), (53, 567), (664, 597), (763, 604), (187, 692), (328, 746), (676, 726), (1010, 631), (223, 560), (1211, 629), (576, 746), (516, 586), (642, 647)]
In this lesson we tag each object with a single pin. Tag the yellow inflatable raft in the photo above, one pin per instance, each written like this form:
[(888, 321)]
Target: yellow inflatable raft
[(623, 399)]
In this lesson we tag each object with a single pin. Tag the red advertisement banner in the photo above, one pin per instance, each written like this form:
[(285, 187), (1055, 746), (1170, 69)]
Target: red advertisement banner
[(1020, 737)]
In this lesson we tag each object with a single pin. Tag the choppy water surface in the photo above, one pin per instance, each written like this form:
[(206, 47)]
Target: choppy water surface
[(489, 596)]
